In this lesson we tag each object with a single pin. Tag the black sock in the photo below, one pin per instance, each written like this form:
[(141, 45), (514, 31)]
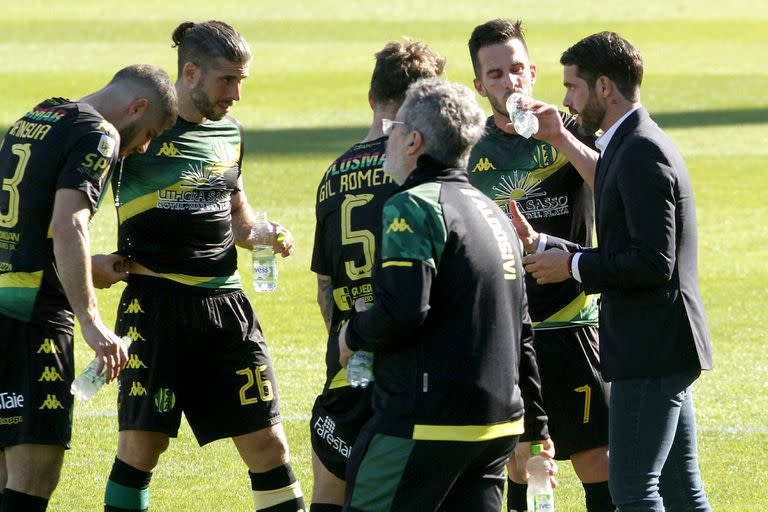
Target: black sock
[(15, 501), (598, 497), (516, 496), (127, 489), (324, 507), (1, 500), (277, 490)]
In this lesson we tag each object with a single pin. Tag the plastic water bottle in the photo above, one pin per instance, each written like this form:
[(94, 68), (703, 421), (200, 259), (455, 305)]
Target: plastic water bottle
[(264, 261), (524, 121), (539, 495), (360, 369), (89, 382)]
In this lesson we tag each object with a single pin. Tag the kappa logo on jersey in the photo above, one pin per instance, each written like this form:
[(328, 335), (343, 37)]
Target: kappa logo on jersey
[(134, 307), (484, 164), (134, 334), (48, 346), (50, 374), (51, 402), (137, 389), (134, 363), (168, 149), (106, 146), (165, 400), (399, 225)]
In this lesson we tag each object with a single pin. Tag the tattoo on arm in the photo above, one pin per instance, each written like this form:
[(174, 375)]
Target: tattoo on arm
[(325, 299)]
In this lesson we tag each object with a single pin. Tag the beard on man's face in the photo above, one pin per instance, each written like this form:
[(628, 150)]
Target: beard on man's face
[(591, 116)]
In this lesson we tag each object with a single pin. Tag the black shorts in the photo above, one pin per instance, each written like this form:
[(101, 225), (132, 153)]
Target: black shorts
[(575, 395), (337, 418), (194, 350), (394, 473), (36, 370)]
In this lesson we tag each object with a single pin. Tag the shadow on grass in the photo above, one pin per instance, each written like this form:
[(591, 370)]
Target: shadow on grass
[(333, 141), (702, 118), (303, 141)]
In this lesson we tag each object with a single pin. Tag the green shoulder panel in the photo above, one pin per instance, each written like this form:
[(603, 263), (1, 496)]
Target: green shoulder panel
[(413, 226)]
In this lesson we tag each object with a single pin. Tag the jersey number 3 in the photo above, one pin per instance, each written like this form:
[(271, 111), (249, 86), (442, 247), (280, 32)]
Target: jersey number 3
[(11, 185), (360, 236)]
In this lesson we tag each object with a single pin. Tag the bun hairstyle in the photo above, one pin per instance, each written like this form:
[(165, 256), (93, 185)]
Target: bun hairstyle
[(201, 43)]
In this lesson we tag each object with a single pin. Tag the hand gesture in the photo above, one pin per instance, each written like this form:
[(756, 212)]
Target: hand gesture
[(109, 349), (107, 269)]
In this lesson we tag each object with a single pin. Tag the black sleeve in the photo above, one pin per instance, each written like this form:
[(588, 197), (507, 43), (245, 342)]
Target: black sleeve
[(530, 383), (88, 164), (646, 185), (400, 306)]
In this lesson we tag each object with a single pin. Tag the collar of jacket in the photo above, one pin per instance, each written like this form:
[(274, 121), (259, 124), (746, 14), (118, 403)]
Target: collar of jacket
[(431, 169)]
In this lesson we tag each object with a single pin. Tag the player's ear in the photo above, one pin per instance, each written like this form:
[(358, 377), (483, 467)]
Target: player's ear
[(533, 74), (480, 88), (370, 98), (190, 72), (138, 107)]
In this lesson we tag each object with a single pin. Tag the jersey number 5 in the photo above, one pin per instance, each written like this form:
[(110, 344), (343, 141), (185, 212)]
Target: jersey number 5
[(360, 236), (11, 185)]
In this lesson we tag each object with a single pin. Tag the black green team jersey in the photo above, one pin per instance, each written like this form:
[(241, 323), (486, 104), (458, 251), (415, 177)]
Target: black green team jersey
[(173, 203), (449, 327), (350, 197), (59, 144), (553, 197)]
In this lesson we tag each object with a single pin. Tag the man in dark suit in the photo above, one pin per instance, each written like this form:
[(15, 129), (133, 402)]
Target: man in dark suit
[(653, 334)]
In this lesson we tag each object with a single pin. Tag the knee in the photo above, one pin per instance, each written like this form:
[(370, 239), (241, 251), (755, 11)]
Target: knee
[(35, 479), (263, 450), (515, 473), (591, 466), (141, 450)]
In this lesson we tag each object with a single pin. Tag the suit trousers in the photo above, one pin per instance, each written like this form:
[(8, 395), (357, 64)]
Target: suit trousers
[(653, 464)]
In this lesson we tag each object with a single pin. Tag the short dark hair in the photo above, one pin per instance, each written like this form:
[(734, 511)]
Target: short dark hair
[(398, 65), (607, 54), (154, 83), (492, 32), (201, 43)]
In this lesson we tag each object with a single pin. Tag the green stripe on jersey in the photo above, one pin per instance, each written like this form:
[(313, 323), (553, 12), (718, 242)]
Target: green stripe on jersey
[(227, 282), (583, 310), (413, 225), (18, 291)]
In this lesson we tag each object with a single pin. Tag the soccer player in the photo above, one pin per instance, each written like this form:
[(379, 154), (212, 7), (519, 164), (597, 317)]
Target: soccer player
[(197, 344), (556, 198), (349, 201), (54, 163), (449, 326)]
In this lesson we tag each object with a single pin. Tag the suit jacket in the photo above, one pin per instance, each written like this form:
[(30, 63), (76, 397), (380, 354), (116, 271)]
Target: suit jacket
[(652, 319)]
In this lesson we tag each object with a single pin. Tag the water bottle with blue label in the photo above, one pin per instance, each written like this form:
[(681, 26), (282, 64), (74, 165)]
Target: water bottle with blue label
[(360, 369), (264, 261), (539, 495)]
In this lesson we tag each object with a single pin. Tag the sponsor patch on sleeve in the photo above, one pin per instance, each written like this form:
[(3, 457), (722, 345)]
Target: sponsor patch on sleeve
[(106, 146)]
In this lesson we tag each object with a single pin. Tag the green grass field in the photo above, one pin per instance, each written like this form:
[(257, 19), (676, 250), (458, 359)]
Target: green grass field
[(305, 102)]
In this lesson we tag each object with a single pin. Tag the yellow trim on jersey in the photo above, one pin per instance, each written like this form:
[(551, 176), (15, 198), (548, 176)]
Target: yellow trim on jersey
[(569, 312), (136, 206), (200, 281), (339, 381), (467, 432), (21, 279), (396, 264)]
